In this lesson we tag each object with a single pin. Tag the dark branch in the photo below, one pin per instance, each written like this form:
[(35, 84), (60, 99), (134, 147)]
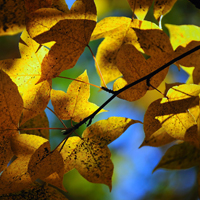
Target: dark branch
[(115, 93)]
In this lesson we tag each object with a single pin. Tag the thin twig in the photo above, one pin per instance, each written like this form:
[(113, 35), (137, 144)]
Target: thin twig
[(57, 117), (80, 81)]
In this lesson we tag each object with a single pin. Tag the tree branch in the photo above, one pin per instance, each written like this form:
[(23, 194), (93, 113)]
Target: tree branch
[(149, 76)]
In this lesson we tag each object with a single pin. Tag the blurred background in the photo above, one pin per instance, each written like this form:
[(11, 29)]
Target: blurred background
[(132, 178)]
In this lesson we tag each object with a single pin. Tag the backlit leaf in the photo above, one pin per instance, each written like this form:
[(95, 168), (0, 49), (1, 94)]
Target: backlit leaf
[(181, 156), (26, 145), (25, 72), (40, 121), (155, 134), (43, 163), (184, 38), (74, 104), (11, 104), (145, 36), (90, 155), (13, 13), (140, 7), (180, 110), (71, 29), (16, 177), (162, 7)]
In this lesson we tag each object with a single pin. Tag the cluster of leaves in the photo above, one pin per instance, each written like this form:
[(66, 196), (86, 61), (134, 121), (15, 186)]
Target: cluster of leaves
[(135, 53)]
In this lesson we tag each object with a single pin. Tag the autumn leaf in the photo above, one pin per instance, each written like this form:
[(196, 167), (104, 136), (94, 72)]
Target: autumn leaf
[(180, 110), (71, 29), (183, 39), (25, 72), (36, 191), (5, 152), (162, 7), (11, 104), (146, 37), (155, 134), (25, 145), (181, 156), (15, 177), (40, 121), (141, 7), (90, 155), (45, 162), (74, 104), (13, 13)]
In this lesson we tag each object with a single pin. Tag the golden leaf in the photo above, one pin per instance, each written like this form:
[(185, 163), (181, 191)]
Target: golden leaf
[(90, 155), (155, 134), (71, 29), (15, 177), (26, 145), (140, 7), (74, 104), (11, 104), (45, 162), (180, 110), (181, 156), (40, 121), (25, 72), (119, 31)]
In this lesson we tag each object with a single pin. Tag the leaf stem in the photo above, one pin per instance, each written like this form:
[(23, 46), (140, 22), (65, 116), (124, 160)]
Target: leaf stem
[(98, 68), (149, 76), (80, 81), (57, 117)]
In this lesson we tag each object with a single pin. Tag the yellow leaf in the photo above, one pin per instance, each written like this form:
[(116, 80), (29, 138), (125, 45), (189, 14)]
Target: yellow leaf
[(13, 12), (180, 110), (155, 134), (106, 131), (181, 156), (25, 72), (162, 7), (26, 145), (145, 36), (40, 121), (133, 66), (74, 104), (71, 29), (90, 155), (140, 7), (43, 163), (16, 177), (11, 104), (5, 152), (183, 39), (36, 191)]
